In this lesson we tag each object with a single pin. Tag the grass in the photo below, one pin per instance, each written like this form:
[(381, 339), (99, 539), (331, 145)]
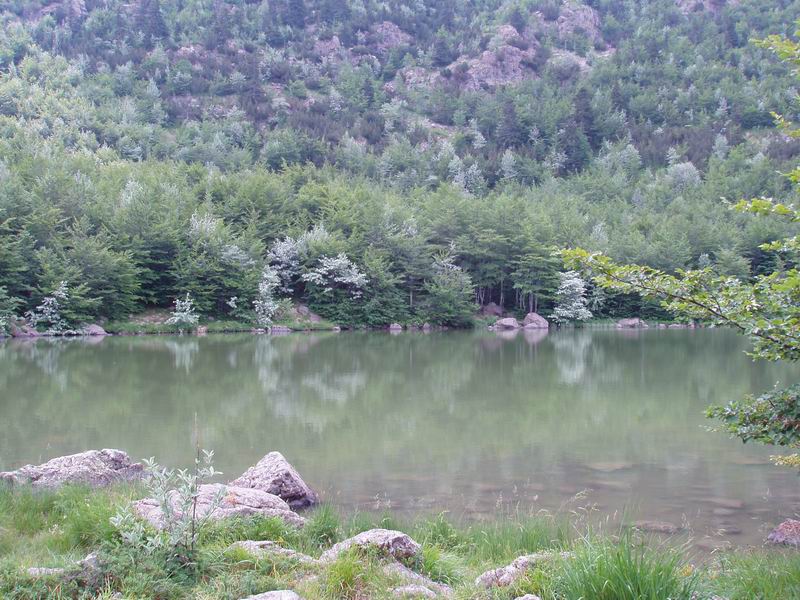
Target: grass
[(46, 528)]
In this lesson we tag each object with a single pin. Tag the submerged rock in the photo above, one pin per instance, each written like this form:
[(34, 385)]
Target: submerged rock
[(635, 323), (273, 474), (266, 549), (535, 321), (505, 576), (386, 541), (235, 502), (657, 527), (95, 468), (787, 533)]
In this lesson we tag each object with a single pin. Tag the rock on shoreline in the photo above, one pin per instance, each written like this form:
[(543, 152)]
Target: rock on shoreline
[(95, 468), (273, 474)]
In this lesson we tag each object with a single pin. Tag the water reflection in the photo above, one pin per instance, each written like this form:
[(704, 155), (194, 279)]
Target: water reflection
[(448, 420)]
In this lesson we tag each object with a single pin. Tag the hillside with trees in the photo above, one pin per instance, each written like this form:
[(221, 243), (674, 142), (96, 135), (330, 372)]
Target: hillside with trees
[(380, 162)]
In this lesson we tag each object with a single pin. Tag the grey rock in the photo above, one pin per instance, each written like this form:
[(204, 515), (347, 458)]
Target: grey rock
[(267, 549), (45, 572), (413, 591), (235, 502), (392, 543), (201, 330), (412, 578), (273, 474), (535, 321), (507, 323), (279, 329), (93, 329), (787, 534), (22, 329), (277, 595), (528, 597), (95, 468), (505, 576), (395, 327), (634, 323)]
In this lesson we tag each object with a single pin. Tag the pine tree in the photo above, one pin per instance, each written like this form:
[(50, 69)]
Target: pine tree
[(150, 22)]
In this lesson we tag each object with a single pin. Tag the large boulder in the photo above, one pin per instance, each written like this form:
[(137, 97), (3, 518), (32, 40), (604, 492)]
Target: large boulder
[(787, 533), (505, 576), (634, 323), (385, 541), (535, 321), (93, 329), (507, 323), (273, 474), (218, 501), (95, 468)]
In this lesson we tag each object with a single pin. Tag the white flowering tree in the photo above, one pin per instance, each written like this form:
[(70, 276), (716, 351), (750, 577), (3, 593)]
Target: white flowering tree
[(48, 313), (184, 314), (265, 304), (337, 273), (571, 301)]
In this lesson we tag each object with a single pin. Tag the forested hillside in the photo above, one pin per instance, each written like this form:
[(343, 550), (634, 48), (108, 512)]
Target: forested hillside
[(381, 162)]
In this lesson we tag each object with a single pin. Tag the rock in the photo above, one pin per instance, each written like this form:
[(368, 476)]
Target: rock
[(676, 326), (507, 323), (412, 578), (662, 325), (787, 533), (279, 330), (413, 591), (277, 595), (235, 502), (21, 329), (45, 572), (535, 321), (336, 328), (273, 474), (635, 323), (426, 327), (201, 330), (93, 329), (393, 543), (528, 597), (505, 576), (395, 327), (95, 468), (491, 310), (266, 549), (657, 526), (306, 313)]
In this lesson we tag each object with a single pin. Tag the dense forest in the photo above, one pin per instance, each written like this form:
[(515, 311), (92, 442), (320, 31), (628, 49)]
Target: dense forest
[(380, 161)]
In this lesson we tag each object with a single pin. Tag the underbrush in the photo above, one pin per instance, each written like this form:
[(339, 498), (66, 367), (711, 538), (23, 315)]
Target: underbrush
[(58, 528)]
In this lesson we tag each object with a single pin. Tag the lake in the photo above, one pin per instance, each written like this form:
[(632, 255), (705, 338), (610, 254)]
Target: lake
[(473, 423)]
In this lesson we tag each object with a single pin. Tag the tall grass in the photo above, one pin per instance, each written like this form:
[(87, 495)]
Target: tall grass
[(760, 575), (627, 569)]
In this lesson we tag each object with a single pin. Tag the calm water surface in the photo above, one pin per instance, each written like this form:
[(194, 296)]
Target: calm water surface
[(468, 422)]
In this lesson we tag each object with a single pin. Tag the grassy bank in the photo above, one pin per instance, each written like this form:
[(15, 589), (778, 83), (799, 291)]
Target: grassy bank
[(55, 529)]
